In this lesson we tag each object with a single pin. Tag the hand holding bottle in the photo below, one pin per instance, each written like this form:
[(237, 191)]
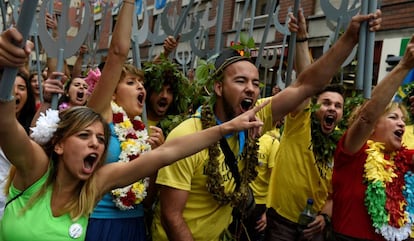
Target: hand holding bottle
[(316, 226), (309, 223)]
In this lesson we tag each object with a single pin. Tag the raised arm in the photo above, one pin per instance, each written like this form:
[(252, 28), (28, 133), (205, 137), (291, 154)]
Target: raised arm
[(77, 66), (302, 55), (371, 111), (317, 75), (170, 44), (121, 174), (24, 154), (101, 97)]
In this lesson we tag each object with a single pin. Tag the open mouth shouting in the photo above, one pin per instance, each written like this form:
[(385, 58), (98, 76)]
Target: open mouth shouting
[(19, 104), (329, 123), (90, 162), (140, 98), (80, 95), (399, 133), (246, 104), (162, 105)]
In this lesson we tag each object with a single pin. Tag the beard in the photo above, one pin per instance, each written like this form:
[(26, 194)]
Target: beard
[(228, 110)]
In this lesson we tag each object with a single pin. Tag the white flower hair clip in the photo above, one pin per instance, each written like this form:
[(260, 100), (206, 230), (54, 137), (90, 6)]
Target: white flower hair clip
[(46, 125)]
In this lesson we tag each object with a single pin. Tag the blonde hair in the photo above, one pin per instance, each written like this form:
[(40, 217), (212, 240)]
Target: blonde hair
[(131, 69), (72, 121)]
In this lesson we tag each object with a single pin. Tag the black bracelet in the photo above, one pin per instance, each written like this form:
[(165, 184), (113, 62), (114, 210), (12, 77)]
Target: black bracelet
[(301, 40), (326, 218)]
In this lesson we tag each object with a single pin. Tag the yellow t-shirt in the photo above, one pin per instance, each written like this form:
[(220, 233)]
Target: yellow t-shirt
[(203, 215), (408, 137), (151, 123), (273, 151), (295, 177), (268, 143)]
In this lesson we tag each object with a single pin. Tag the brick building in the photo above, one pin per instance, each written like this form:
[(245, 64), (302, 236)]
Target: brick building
[(397, 27)]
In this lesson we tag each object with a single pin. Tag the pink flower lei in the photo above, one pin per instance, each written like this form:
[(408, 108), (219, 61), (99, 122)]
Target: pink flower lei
[(133, 137)]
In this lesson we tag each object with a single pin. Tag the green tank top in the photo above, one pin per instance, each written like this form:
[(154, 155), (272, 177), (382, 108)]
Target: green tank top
[(38, 223)]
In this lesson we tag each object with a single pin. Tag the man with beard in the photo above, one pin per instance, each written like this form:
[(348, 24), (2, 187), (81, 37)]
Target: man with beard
[(303, 165), (162, 91), (198, 193)]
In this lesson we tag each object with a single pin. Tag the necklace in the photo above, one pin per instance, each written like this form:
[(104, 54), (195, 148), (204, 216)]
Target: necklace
[(388, 197), (133, 137), (215, 180)]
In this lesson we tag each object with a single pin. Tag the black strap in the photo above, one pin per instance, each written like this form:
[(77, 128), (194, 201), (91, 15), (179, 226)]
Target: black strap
[(14, 198), (230, 161)]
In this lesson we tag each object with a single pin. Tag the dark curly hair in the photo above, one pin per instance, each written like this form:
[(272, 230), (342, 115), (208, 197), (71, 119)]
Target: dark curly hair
[(164, 73)]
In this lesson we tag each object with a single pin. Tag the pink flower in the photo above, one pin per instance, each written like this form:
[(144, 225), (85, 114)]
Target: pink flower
[(63, 106), (92, 79)]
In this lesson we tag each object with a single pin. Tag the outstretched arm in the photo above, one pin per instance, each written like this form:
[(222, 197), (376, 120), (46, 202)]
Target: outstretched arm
[(364, 124), (24, 154), (121, 174), (101, 97), (317, 75)]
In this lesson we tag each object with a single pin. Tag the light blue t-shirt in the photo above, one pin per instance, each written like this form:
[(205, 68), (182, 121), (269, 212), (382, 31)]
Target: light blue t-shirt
[(106, 208)]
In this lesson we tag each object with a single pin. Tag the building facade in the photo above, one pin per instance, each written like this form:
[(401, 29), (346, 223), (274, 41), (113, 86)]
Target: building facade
[(210, 26)]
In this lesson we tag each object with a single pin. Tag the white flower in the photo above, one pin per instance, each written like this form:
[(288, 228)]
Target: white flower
[(46, 125), (395, 234)]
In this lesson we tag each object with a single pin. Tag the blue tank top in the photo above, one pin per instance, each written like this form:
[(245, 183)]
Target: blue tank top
[(106, 208)]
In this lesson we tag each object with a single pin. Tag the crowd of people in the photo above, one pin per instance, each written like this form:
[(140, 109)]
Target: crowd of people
[(238, 166)]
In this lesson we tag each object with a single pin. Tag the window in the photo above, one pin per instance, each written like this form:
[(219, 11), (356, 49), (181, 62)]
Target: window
[(259, 12)]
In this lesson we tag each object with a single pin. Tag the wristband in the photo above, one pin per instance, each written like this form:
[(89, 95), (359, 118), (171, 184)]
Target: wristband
[(326, 218), (301, 40), (9, 99)]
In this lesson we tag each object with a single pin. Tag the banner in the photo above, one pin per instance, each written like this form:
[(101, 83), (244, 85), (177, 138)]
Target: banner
[(159, 4)]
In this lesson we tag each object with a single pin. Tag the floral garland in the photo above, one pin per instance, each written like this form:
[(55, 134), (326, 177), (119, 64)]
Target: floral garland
[(323, 146), (388, 197), (133, 137), (215, 180)]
